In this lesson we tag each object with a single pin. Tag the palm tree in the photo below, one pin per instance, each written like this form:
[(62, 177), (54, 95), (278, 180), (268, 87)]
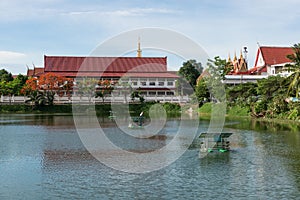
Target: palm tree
[(294, 78), (37, 99)]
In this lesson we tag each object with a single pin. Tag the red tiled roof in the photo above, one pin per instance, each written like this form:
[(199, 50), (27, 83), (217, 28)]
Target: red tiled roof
[(105, 64), (35, 71), (255, 70), (241, 73), (29, 72), (38, 71), (263, 69), (276, 55), (118, 75)]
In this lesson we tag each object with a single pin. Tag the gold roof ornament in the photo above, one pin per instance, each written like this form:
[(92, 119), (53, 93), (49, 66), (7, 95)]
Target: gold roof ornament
[(234, 58), (241, 55), (229, 59), (139, 51)]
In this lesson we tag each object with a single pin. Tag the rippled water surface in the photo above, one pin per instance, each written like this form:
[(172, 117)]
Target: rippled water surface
[(42, 157)]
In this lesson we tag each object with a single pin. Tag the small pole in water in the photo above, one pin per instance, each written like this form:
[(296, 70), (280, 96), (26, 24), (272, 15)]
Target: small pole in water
[(141, 119)]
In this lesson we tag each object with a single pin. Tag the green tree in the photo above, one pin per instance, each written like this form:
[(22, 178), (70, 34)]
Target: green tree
[(3, 88), (37, 99), (190, 71), (242, 94), (219, 68), (5, 76), (294, 78), (271, 93), (214, 76), (87, 87), (104, 89), (22, 79), (271, 86), (202, 92), (10, 88)]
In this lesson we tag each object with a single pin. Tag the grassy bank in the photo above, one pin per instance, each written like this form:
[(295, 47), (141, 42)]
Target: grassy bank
[(234, 111), (244, 112)]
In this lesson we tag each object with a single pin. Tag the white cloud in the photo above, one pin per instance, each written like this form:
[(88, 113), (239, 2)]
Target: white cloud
[(140, 12), (15, 10), (18, 10), (121, 12), (13, 62), (8, 57)]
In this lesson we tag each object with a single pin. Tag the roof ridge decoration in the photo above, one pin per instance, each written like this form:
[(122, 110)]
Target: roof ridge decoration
[(139, 51)]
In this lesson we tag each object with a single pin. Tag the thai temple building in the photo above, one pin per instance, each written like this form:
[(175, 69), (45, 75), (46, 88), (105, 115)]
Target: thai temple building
[(269, 61), (148, 75)]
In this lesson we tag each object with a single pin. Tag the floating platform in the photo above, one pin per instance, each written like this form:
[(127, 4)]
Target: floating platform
[(211, 142), (112, 115)]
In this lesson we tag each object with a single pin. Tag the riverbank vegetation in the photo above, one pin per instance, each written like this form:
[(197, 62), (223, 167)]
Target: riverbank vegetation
[(171, 109), (268, 98), (275, 97)]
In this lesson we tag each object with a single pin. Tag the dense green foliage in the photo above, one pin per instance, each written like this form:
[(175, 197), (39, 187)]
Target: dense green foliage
[(40, 98), (218, 68), (268, 98), (189, 72), (201, 92), (294, 79), (5, 76), (172, 109), (11, 86)]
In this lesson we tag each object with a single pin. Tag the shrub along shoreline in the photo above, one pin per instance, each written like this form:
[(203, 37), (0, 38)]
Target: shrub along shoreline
[(172, 109)]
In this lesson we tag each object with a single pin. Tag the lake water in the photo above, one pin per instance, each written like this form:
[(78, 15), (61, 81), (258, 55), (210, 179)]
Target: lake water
[(42, 157)]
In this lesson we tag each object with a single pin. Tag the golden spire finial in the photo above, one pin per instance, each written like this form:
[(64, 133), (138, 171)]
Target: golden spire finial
[(229, 58), (234, 58), (139, 51), (241, 56)]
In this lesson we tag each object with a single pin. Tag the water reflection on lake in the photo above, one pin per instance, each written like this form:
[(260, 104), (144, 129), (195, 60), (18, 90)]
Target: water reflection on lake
[(42, 157)]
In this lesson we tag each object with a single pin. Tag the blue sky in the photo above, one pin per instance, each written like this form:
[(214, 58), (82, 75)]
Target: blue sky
[(32, 28)]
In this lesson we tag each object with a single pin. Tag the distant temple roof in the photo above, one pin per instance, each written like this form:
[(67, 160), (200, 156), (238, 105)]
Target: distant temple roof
[(110, 67), (105, 64), (30, 72), (239, 66), (36, 71), (71, 66), (266, 56), (274, 55)]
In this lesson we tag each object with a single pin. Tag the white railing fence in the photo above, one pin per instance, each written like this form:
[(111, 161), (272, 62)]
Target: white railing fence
[(109, 99)]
